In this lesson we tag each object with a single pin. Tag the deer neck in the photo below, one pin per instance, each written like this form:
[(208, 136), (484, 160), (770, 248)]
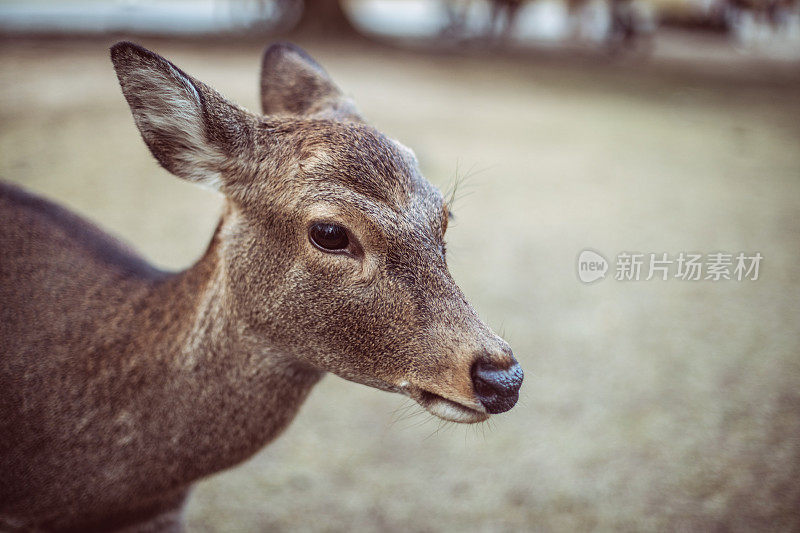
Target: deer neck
[(221, 392)]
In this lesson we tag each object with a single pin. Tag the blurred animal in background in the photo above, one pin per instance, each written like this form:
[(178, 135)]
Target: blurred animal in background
[(502, 18), (753, 21), (625, 28), (456, 14), (123, 384), (626, 24)]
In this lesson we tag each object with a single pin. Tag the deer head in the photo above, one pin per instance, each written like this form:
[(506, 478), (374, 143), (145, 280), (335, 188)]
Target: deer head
[(332, 241)]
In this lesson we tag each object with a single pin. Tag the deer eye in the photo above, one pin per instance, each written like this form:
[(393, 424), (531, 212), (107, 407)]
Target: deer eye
[(329, 237)]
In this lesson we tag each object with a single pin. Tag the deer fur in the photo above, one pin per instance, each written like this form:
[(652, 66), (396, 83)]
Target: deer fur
[(121, 385)]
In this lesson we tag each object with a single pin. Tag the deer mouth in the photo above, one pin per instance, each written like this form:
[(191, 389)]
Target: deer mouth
[(448, 409)]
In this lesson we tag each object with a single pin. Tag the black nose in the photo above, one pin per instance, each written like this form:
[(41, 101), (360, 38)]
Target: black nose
[(497, 389)]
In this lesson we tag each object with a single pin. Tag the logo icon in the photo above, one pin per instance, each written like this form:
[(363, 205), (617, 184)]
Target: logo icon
[(591, 266)]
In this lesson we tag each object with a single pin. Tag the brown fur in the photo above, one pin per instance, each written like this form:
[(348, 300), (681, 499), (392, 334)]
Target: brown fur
[(121, 384)]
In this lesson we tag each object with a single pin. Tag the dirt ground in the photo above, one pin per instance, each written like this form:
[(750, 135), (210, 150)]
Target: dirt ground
[(647, 406)]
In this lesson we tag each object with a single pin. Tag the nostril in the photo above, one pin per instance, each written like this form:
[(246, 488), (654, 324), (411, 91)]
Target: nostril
[(482, 386), (496, 388)]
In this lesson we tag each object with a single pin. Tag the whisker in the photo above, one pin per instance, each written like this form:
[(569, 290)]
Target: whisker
[(439, 426)]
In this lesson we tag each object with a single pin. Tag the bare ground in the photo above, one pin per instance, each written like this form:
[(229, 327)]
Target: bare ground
[(647, 406)]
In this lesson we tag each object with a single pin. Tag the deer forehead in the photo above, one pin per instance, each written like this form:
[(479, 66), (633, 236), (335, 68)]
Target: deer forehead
[(357, 157), (348, 169)]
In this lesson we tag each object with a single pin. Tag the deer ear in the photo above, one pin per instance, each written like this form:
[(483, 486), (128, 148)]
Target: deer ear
[(292, 83), (189, 128)]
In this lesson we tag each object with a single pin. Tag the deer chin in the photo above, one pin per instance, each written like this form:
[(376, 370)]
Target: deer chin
[(449, 410)]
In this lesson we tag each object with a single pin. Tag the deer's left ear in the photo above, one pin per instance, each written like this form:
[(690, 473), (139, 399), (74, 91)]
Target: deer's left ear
[(292, 83), (191, 130)]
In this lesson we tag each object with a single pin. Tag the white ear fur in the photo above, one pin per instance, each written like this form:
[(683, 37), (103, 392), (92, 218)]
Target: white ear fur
[(169, 111)]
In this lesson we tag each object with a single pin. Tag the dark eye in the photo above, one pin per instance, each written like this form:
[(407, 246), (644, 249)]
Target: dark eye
[(329, 237)]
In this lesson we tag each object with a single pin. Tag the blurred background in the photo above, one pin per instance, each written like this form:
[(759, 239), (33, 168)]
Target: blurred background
[(653, 126)]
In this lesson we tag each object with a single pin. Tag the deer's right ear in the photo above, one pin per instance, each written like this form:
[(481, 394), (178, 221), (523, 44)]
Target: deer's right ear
[(191, 130), (292, 83)]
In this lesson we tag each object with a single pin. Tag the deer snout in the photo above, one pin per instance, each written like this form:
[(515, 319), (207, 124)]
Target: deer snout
[(497, 388)]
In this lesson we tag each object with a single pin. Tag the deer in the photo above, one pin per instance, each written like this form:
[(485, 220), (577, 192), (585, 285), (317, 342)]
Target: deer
[(122, 384)]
